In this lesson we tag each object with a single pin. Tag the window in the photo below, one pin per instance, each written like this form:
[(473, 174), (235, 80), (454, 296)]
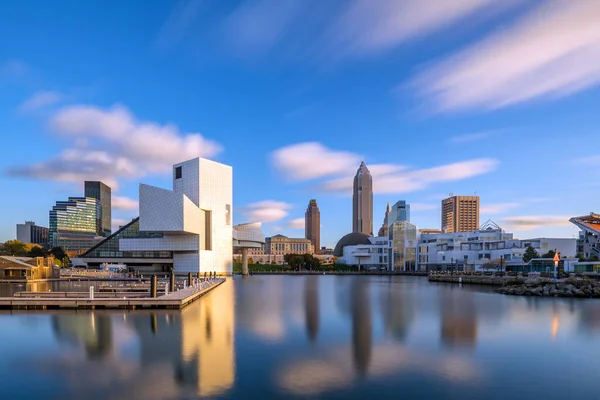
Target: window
[(178, 172), (227, 214), (206, 244)]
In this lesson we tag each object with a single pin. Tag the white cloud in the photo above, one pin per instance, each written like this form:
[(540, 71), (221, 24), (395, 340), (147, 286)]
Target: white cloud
[(124, 203), (266, 211), (473, 137), (529, 222), (40, 99), (179, 23), (498, 208), (297, 223), (311, 160), (112, 144), (369, 26), (258, 25), (77, 165), (553, 51)]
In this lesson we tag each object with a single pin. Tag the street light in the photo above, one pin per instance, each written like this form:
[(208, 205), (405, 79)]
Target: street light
[(501, 258), (556, 259)]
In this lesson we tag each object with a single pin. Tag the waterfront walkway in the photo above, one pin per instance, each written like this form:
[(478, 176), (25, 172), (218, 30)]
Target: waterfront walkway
[(174, 300)]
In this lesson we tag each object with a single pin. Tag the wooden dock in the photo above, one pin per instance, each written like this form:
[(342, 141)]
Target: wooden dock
[(175, 300)]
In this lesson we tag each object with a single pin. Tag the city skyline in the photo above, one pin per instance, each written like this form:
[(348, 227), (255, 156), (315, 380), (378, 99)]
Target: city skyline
[(293, 110)]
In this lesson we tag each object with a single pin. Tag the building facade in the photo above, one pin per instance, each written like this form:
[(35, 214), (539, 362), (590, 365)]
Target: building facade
[(383, 231), (400, 211), (29, 232), (312, 224), (102, 193), (73, 225), (372, 255), (188, 228), (362, 201), (403, 242), (282, 245), (460, 214), (483, 249), (589, 236)]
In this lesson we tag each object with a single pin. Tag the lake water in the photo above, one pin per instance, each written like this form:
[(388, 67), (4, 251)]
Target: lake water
[(311, 336)]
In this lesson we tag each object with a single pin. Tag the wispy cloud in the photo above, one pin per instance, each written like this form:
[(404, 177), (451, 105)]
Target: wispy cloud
[(124, 203), (41, 99), (113, 144), (553, 51), (525, 223), (181, 20), (498, 208), (309, 161), (266, 211), (297, 223), (473, 137), (14, 69), (368, 26)]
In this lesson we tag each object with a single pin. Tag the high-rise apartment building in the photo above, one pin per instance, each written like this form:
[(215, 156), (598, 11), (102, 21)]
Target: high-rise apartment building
[(362, 201), (312, 224), (29, 232), (102, 193), (460, 214), (400, 212)]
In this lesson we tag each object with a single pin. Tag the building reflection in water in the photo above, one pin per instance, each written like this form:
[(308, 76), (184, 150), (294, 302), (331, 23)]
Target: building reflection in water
[(361, 325), (398, 310), (311, 306), (459, 318), (91, 330)]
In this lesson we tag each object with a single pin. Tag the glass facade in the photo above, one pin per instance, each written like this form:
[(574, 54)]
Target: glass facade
[(109, 247), (76, 217), (102, 193), (403, 246)]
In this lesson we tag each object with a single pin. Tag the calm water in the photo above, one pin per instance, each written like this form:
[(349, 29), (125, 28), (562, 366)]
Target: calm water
[(312, 336)]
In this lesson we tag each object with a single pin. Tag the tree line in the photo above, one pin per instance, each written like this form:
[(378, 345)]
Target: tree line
[(15, 248)]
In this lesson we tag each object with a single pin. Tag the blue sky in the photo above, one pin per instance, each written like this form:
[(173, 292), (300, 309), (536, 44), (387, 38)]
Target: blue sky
[(463, 97)]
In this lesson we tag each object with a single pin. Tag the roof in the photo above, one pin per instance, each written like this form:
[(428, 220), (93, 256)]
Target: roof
[(589, 222), (16, 261), (351, 239)]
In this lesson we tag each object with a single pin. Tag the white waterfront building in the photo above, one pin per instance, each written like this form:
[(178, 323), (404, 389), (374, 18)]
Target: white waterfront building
[(194, 218), (407, 250), (474, 250)]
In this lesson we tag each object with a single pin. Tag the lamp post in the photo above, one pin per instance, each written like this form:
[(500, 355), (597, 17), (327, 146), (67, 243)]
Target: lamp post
[(501, 259), (556, 259)]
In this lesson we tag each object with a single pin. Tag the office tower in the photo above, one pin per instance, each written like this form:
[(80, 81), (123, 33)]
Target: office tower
[(73, 224), (400, 212), (460, 214), (383, 231), (362, 201), (312, 224), (29, 232), (102, 193)]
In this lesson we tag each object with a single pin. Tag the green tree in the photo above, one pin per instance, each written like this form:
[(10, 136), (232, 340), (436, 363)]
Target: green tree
[(580, 257), (593, 258), (66, 262), (37, 251), (58, 252), (549, 254), (15, 248), (530, 254)]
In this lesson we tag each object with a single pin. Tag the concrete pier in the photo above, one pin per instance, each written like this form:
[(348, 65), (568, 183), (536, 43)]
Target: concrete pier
[(174, 300), (244, 261)]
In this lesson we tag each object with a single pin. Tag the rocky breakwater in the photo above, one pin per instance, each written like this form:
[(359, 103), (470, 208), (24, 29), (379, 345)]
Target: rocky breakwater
[(544, 287)]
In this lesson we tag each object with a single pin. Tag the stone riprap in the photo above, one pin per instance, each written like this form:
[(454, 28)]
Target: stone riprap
[(544, 287)]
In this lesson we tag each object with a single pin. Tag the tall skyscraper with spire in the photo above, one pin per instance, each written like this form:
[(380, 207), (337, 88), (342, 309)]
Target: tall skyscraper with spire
[(312, 224), (362, 201), (384, 230)]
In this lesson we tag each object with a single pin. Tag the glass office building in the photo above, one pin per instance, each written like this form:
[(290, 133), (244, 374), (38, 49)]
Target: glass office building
[(403, 246), (102, 193), (73, 224)]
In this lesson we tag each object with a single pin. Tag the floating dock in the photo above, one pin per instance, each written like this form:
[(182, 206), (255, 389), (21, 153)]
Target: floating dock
[(74, 300)]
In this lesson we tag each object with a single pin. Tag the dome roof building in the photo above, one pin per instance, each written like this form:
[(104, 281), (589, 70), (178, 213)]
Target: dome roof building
[(351, 239)]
